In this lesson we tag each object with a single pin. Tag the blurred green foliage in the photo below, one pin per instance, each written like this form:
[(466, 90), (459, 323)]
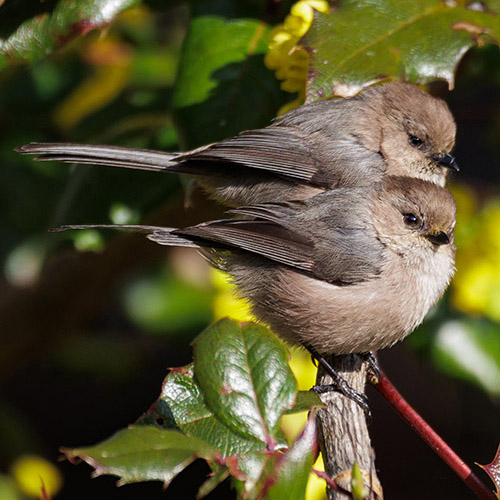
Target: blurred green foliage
[(168, 75)]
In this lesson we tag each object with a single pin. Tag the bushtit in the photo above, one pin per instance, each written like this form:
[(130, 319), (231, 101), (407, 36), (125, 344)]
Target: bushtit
[(389, 129), (346, 271)]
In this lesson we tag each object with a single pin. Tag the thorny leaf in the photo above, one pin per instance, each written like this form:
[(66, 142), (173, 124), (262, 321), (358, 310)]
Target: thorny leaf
[(35, 29), (143, 453), (359, 42), (244, 375), (493, 470)]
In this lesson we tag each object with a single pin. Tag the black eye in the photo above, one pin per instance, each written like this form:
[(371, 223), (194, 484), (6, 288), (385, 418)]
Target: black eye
[(411, 220), (415, 141)]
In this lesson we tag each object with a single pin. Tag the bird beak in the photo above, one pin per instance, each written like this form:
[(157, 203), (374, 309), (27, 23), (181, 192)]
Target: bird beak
[(445, 160), (439, 238)]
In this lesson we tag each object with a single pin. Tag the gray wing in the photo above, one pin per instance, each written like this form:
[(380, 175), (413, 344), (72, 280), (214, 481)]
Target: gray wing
[(262, 238), (283, 151), (273, 212), (338, 225), (258, 237)]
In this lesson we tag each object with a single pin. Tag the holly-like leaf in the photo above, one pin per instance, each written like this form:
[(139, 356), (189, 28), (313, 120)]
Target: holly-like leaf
[(493, 470), (256, 468), (143, 453), (181, 404), (293, 468), (306, 400), (243, 373), (359, 42), (223, 86), (30, 30)]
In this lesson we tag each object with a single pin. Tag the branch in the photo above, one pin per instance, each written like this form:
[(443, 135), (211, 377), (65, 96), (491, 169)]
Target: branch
[(331, 483), (429, 435), (342, 431)]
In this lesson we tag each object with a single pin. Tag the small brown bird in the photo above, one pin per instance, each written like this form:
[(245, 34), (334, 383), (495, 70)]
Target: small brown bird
[(389, 129), (346, 271)]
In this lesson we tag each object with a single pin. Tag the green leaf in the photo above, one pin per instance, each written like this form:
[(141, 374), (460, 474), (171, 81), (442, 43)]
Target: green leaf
[(256, 467), (33, 30), (228, 88), (358, 488), (143, 453), (181, 405), (294, 467), (306, 400), (470, 349), (243, 372), (359, 42)]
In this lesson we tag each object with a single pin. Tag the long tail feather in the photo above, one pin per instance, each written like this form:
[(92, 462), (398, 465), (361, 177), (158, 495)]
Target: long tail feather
[(117, 156), (158, 234)]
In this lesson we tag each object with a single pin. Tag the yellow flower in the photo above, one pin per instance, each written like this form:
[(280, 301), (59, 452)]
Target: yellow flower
[(285, 57), (226, 302), (476, 286), (30, 472)]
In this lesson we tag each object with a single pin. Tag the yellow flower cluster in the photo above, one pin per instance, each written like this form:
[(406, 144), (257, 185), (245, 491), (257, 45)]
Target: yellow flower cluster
[(285, 57), (476, 286)]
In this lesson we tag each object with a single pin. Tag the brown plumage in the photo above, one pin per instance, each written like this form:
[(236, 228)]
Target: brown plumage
[(389, 129), (346, 271)]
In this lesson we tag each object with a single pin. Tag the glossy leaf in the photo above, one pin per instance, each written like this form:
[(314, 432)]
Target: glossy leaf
[(306, 400), (493, 470), (243, 373), (35, 29), (360, 41), (228, 89), (256, 468), (181, 405), (143, 453), (293, 468)]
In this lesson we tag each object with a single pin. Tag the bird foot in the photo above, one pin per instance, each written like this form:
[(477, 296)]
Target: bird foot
[(373, 372), (339, 384), (345, 389)]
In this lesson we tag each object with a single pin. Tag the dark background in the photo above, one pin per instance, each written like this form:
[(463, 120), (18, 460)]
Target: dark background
[(83, 353)]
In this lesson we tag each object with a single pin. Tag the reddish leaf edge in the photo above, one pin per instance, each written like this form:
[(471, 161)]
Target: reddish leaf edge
[(387, 390), (493, 470)]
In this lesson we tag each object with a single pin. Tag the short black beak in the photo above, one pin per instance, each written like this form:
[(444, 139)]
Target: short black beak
[(446, 160), (439, 238)]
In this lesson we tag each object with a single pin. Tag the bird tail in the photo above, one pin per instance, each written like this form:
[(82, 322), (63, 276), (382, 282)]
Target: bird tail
[(160, 235), (94, 154)]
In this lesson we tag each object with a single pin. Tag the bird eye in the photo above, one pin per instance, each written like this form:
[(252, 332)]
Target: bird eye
[(411, 220), (415, 141)]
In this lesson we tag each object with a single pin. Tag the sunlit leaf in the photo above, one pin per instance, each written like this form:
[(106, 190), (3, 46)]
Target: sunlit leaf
[(292, 471), (306, 400), (181, 405), (143, 453), (243, 373), (228, 89), (360, 41), (493, 470), (33, 30)]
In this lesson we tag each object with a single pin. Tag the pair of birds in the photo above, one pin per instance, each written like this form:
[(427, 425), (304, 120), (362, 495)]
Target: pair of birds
[(343, 232)]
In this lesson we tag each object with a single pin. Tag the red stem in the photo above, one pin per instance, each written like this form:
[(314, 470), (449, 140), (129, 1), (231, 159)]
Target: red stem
[(429, 435)]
